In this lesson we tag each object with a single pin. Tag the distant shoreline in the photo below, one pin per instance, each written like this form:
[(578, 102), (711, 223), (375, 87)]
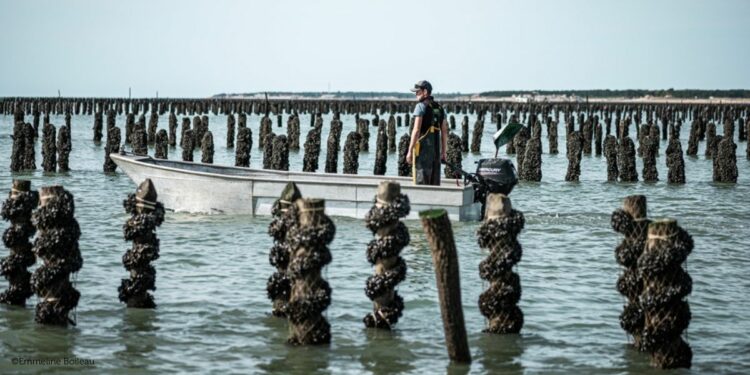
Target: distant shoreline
[(686, 96), (505, 99)]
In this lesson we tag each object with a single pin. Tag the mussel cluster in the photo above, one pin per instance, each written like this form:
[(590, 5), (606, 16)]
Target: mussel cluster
[(351, 152), (392, 236), (310, 295), (244, 145), (666, 284), (280, 157), (279, 285), (57, 245), (312, 150), (141, 229), (499, 302), (630, 282), (17, 209)]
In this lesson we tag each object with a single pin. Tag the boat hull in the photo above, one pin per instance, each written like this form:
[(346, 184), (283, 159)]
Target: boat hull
[(206, 188)]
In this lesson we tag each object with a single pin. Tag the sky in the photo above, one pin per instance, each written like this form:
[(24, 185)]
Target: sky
[(191, 48)]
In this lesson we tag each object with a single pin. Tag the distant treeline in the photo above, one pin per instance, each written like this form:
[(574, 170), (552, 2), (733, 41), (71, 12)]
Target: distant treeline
[(406, 94), (683, 94)]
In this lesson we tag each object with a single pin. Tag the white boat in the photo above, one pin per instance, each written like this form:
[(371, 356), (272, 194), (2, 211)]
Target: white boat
[(207, 188)]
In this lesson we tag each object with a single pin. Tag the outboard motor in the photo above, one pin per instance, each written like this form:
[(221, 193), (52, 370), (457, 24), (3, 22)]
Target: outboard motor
[(494, 175)]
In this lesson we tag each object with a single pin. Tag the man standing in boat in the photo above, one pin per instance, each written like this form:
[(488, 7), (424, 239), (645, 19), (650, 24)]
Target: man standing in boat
[(428, 138)]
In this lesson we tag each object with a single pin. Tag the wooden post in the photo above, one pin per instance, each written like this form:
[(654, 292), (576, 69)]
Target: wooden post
[(632, 223), (17, 209), (439, 234), (383, 252), (146, 214), (56, 246)]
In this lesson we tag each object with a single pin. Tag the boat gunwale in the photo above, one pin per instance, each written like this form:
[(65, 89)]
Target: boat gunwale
[(139, 160)]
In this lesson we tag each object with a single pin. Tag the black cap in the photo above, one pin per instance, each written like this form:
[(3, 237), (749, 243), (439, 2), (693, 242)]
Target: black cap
[(422, 85)]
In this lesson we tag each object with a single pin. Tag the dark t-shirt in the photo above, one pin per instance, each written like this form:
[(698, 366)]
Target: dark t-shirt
[(422, 109)]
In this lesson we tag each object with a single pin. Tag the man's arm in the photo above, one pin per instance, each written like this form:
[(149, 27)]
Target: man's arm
[(414, 137)]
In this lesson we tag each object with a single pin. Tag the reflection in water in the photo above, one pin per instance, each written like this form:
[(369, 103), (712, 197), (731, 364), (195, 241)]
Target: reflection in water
[(52, 342), (18, 321), (385, 352), (500, 354), (300, 360), (138, 334), (293, 359)]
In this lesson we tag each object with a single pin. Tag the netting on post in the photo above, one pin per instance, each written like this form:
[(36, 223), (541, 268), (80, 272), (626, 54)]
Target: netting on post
[(310, 294), (146, 213), (666, 284), (383, 252), (56, 245), (632, 223), (499, 234), (351, 152), (17, 209), (284, 217)]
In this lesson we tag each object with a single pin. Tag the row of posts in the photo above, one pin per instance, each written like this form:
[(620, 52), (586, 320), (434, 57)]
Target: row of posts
[(50, 214), (619, 151), (652, 254)]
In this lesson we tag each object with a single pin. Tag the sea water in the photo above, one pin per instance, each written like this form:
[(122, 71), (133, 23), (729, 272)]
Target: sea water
[(213, 313)]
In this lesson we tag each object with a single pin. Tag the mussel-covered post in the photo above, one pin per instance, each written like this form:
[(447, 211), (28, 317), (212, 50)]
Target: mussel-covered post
[(381, 150), (112, 146), (675, 162), (725, 157), (284, 214), (552, 136), (139, 143), (161, 147), (310, 294), (574, 156), (207, 148), (404, 167), (172, 138), (146, 214), (280, 157), (230, 131), (29, 155), (188, 145), (532, 160), (610, 153), (268, 150), (439, 235), (631, 222), (49, 148), (56, 245), (464, 134), (98, 126), (312, 150), (19, 148), (452, 155), (351, 152), (391, 236), (665, 286), (626, 160), (17, 209), (64, 146), (332, 148), (499, 234), (650, 147), (244, 144), (476, 139)]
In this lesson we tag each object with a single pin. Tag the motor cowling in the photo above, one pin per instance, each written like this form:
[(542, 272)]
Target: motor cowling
[(500, 175)]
